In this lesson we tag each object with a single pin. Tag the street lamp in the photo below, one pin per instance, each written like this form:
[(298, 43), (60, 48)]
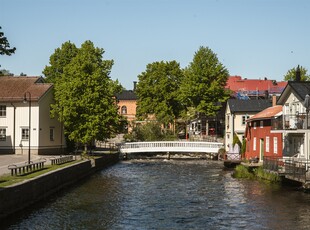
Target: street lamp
[(25, 101)]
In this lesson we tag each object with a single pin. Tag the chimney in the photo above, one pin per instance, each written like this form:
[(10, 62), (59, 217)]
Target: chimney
[(134, 86), (274, 100), (298, 77)]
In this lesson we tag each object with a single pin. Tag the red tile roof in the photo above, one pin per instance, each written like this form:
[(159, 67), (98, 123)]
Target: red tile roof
[(267, 113), (237, 84), (14, 88)]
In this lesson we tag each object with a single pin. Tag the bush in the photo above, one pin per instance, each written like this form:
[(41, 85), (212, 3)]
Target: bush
[(149, 132), (262, 174), (242, 172)]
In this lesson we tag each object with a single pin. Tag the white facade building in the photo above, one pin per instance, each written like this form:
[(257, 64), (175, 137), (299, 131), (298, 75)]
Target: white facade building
[(25, 102)]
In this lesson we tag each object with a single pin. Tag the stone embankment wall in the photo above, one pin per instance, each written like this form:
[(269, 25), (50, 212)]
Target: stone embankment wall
[(19, 196)]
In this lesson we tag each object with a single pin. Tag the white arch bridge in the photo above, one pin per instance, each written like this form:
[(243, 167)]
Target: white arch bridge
[(171, 147)]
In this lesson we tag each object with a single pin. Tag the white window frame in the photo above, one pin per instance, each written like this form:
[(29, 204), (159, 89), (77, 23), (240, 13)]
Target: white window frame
[(261, 124), (124, 109), (275, 145), (25, 134), (254, 124), (254, 144), (2, 110), (243, 119), (267, 144), (2, 134)]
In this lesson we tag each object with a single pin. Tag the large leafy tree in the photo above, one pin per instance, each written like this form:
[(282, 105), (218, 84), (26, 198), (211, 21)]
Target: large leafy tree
[(157, 91), (59, 60), (291, 74), (204, 83), (5, 48), (84, 95)]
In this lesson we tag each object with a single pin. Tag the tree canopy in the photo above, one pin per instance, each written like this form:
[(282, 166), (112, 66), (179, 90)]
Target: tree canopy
[(84, 93), (5, 48), (204, 82), (5, 72), (291, 74), (157, 91), (59, 60)]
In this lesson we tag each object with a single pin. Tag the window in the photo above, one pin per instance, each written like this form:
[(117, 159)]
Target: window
[(254, 125), (261, 123), (267, 144), (244, 118), (25, 134), (254, 144), (2, 134), (2, 111), (124, 109), (52, 137), (275, 145)]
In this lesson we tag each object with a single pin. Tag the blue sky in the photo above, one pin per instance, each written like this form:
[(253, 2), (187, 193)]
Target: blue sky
[(252, 38)]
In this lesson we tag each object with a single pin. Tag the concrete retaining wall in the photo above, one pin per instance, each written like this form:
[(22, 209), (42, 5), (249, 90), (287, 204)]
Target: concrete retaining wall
[(19, 196)]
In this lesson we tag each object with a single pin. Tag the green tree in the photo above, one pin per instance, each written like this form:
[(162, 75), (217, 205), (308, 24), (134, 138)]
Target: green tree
[(291, 74), (5, 48), (84, 96), (59, 60), (157, 91), (4, 72), (204, 83)]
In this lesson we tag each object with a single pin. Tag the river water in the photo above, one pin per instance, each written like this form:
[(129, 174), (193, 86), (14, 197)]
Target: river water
[(174, 194)]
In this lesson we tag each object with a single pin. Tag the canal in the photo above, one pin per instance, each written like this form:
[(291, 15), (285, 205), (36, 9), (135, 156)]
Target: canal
[(175, 194)]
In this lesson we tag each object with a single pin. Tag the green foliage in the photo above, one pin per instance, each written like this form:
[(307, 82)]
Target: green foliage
[(59, 60), (243, 147), (150, 131), (158, 90), (84, 95), (291, 74), (242, 172), (204, 83), (5, 45), (4, 72), (5, 48), (262, 174)]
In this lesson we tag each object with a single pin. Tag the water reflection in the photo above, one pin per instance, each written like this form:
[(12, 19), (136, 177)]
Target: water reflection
[(157, 194)]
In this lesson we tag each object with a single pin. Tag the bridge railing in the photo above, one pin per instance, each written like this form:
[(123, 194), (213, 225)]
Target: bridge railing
[(177, 146)]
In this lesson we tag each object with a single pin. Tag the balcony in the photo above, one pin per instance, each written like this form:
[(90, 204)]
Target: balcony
[(291, 122)]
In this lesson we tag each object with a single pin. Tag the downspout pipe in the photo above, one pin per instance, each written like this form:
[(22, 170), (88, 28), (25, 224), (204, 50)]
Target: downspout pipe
[(14, 126)]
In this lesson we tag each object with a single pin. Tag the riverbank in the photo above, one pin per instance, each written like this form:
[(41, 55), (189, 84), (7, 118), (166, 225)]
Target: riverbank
[(21, 195)]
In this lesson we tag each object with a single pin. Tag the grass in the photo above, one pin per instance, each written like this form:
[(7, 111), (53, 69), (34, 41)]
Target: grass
[(7, 179), (242, 171)]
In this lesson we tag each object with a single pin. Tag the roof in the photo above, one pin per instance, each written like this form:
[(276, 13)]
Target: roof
[(236, 105), (126, 95), (14, 88), (268, 113), (301, 89), (255, 86)]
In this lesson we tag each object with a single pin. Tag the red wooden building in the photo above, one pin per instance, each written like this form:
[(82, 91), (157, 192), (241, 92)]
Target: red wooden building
[(260, 141)]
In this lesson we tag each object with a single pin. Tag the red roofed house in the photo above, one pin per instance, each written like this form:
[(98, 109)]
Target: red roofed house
[(25, 104), (244, 88), (260, 141)]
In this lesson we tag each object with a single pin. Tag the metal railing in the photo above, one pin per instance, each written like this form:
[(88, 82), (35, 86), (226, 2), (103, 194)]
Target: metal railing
[(273, 163), (291, 122), (292, 168), (171, 146)]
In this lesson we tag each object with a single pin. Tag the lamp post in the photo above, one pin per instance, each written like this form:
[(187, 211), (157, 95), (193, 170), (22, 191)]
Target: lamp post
[(29, 101)]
